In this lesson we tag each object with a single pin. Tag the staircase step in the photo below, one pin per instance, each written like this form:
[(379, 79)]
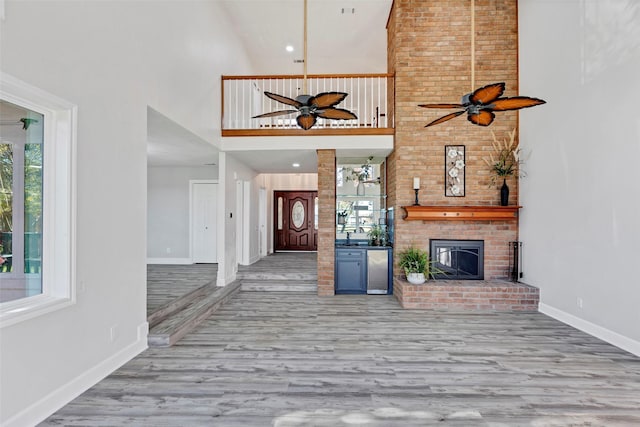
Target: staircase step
[(178, 304), (279, 285), (282, 276), (170, 330)]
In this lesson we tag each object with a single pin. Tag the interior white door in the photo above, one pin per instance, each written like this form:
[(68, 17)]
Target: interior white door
[(205, 198)]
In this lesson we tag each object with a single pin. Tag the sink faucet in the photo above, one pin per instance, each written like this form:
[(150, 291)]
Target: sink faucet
[(348, 237)]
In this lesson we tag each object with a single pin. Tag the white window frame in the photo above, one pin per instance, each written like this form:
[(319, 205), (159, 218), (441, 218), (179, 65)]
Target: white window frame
[(59, 201)]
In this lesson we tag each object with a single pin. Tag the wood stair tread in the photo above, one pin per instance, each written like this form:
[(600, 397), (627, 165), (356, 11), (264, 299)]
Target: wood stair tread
[(174, 327)]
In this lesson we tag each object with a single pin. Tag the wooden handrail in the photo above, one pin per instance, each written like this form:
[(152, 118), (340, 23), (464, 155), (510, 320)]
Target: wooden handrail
[(309, 76)]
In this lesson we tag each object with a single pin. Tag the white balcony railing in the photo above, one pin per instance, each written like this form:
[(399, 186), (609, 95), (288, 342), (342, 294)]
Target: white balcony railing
[(243, 98)]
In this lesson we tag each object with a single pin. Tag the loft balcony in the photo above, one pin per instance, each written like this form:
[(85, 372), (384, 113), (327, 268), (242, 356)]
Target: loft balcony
[(370, 97)]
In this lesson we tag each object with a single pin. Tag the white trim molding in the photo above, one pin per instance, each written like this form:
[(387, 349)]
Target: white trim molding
[(597, 331), (59, 218)]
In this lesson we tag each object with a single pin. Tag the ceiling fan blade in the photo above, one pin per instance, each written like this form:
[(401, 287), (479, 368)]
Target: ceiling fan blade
[(482, 118), (306, 121), (486, 94), (445, 118), (441, 105), (274, 113), (327, 99), (283, 99), (336, 114), (515, 103)]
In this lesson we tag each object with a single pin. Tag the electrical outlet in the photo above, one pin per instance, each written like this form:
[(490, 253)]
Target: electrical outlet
[(168, 250), (579, 302)]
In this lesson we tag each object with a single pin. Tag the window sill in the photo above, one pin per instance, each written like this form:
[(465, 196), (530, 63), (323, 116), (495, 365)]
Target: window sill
[(27, 308)]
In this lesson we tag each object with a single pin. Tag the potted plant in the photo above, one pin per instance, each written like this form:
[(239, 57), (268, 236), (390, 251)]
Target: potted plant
[(416, 265), (504, 162), (376, 234)]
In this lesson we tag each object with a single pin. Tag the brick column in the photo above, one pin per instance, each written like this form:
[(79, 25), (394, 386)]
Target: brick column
[(326, 221)]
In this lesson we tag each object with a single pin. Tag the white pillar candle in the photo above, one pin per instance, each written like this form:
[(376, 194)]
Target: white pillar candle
[(416, 183)]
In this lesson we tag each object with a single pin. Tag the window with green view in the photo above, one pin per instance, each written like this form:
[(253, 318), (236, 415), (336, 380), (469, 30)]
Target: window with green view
[(21, 185)]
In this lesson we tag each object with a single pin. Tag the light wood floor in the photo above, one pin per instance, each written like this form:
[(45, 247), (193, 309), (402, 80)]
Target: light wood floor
[(165, 282), (295, 359)]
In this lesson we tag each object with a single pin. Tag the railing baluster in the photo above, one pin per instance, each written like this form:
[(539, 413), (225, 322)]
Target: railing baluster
[(368, 99)]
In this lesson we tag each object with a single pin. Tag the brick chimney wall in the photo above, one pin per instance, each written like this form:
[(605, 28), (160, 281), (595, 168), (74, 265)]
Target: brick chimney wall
[(429, 51)]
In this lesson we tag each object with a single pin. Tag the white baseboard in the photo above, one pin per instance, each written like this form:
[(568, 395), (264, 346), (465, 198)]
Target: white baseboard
[(597, 331), (40, 410), (180, 261)]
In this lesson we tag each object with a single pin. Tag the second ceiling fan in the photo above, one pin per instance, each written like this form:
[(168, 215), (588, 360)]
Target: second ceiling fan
[(310, 107)]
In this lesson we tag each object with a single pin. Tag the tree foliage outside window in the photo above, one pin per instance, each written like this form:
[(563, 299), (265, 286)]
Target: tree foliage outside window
[(6, 187), (6, 204)]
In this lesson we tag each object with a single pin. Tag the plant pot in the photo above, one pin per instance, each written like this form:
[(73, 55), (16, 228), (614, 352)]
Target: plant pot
[(416, 278)]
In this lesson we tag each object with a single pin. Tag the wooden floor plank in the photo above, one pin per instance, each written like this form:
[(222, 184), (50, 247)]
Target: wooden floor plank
[(294, 359)]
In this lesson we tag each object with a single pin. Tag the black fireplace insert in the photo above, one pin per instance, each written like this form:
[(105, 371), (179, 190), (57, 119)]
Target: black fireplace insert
[(458, 259)]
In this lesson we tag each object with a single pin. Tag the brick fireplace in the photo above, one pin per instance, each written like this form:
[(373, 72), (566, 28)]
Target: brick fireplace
[(494, 226), (429, 45)]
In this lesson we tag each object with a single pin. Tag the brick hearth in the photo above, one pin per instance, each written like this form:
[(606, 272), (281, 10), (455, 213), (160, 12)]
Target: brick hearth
[(494, 295)]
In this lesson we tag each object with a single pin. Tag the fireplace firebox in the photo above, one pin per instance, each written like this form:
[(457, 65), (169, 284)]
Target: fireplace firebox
[(458, 259)]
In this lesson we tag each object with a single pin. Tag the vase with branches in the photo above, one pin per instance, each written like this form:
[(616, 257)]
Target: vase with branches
[(504, 161)]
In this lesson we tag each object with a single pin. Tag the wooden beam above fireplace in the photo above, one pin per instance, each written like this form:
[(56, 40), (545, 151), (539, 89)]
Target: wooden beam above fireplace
[(461, 213)]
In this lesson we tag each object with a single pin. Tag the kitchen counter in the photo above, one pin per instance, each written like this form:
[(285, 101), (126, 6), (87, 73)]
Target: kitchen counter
[(365, 246)]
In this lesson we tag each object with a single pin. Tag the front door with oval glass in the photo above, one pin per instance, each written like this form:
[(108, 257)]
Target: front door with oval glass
[(296, 220)]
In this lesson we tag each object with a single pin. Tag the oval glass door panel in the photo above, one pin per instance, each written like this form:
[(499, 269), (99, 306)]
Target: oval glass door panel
[(297, 214)]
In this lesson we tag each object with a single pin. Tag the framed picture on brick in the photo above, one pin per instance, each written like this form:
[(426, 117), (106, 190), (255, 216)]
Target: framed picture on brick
[(454, 170)]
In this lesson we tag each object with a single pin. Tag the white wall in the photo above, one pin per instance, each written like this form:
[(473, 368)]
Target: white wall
[(168, 210), (112, 59), (581, 197), (231, 171)]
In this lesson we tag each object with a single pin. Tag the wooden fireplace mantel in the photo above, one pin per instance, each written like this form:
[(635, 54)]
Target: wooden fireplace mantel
[(461, 213)]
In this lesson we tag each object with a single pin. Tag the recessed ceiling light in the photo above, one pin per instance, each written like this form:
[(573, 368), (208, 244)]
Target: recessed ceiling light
[(295, 165), (289, 48)]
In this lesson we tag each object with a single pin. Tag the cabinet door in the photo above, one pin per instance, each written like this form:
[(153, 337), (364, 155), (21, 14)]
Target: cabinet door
[(350, 272)]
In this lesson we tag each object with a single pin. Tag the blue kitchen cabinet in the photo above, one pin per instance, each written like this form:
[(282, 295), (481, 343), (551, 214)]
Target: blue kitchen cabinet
[(351, 271)]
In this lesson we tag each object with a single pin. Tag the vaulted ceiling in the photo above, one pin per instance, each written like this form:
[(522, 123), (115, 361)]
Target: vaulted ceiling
[(343, 37)]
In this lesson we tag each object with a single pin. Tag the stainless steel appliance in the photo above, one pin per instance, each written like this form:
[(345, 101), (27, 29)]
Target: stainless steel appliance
[(377, 271)]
